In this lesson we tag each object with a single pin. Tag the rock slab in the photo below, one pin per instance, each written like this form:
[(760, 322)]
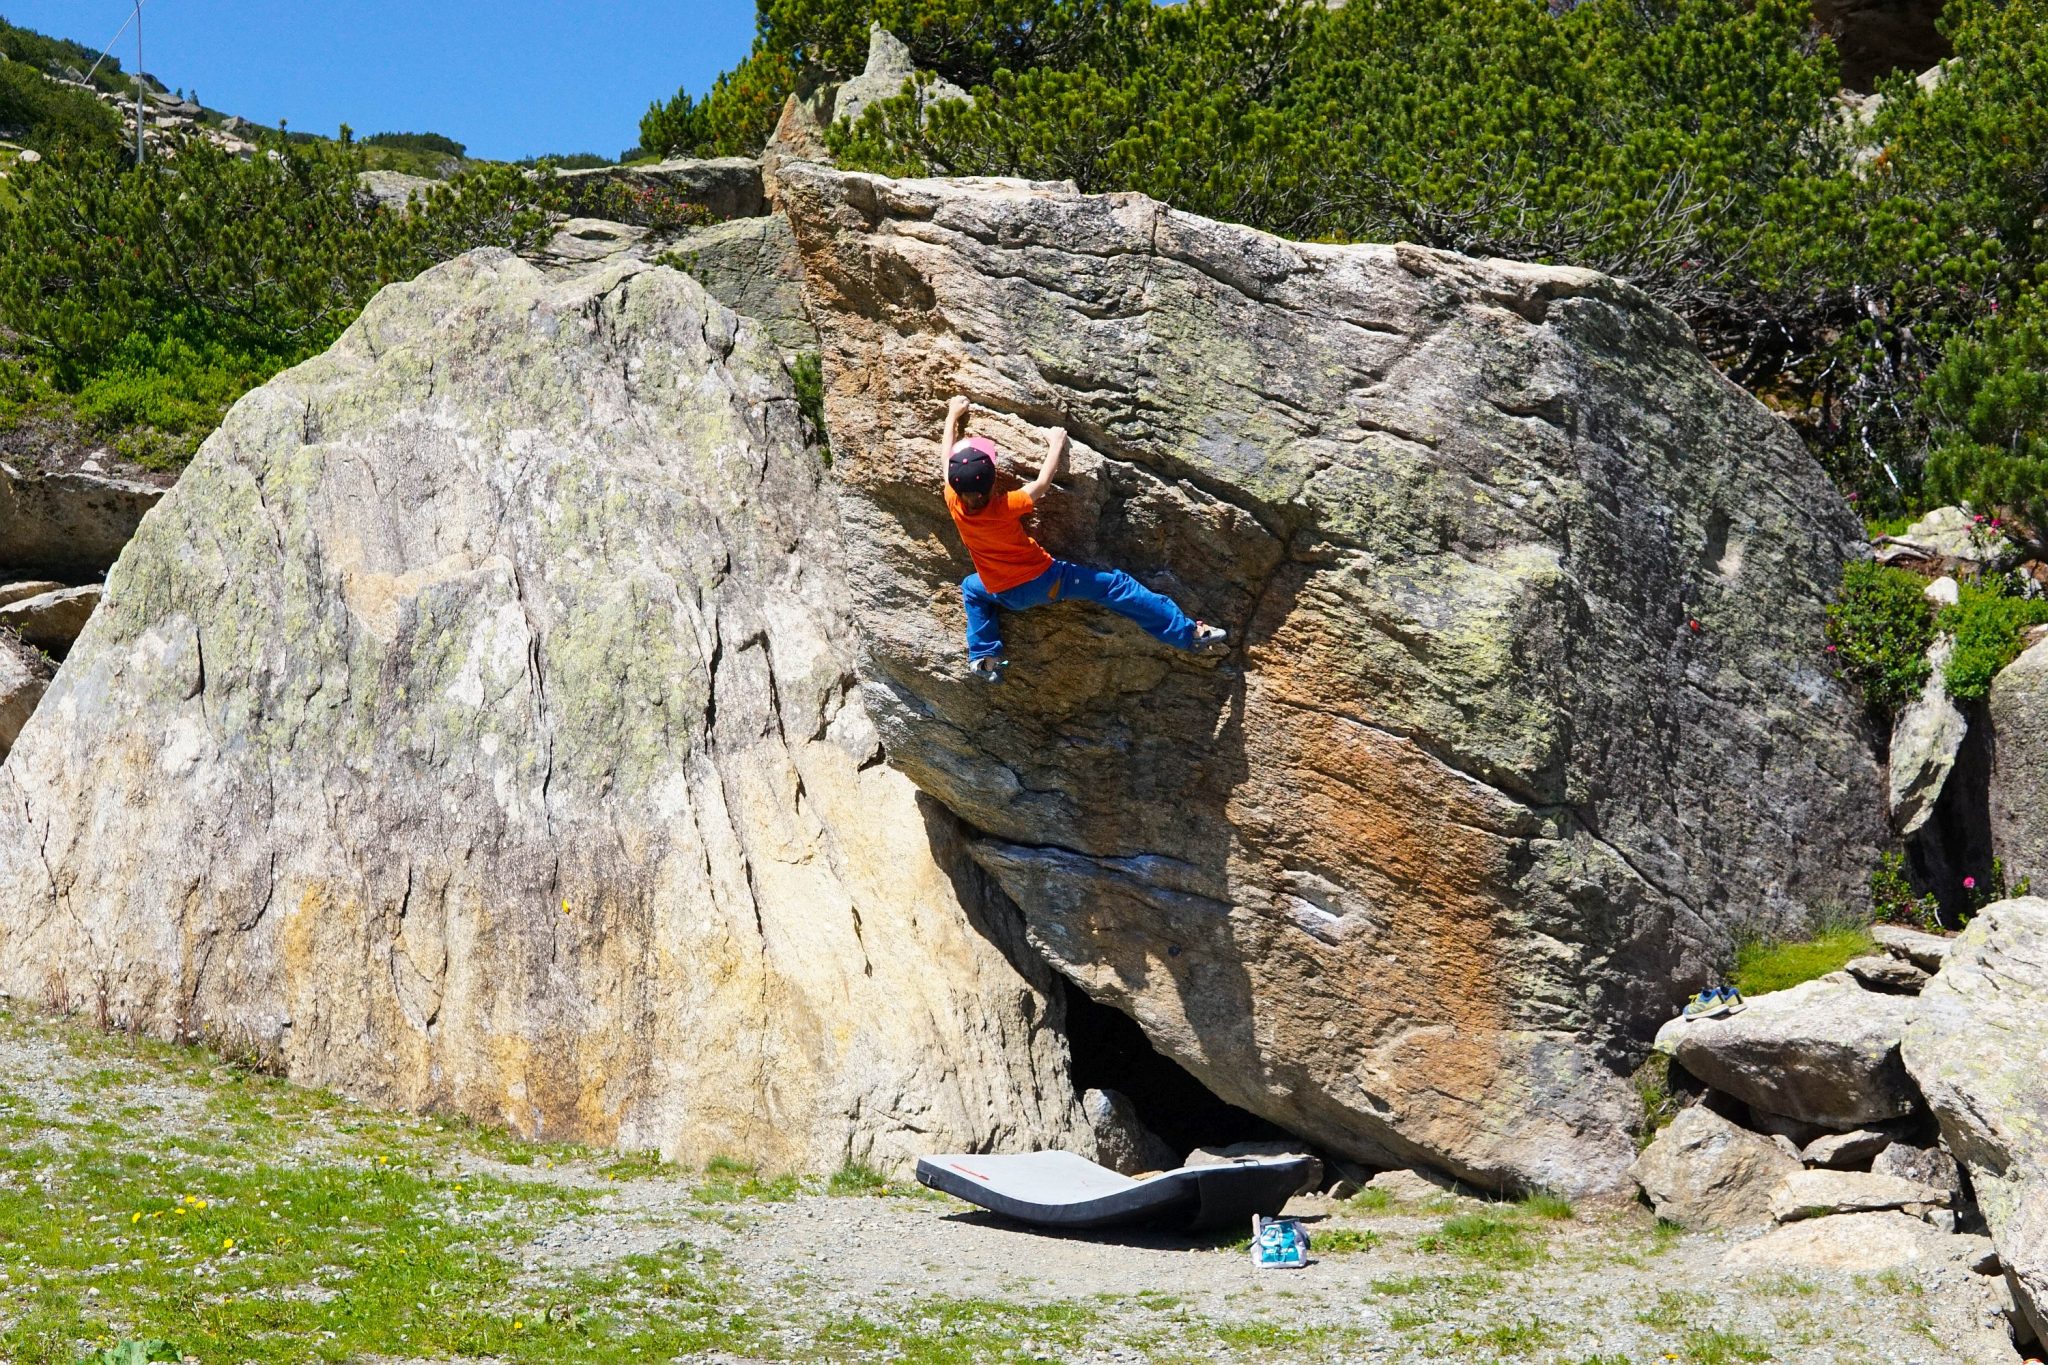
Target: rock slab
[(473, 728), (1702, 1172), (1978, 1049), (52, 621), (1367, 877), (69, 525), (1817, 1194), (24, 676), (2018, 708), (1825, 1052)]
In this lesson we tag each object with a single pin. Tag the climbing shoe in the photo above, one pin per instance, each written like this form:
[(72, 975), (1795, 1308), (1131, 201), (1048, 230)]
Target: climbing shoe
[(1211, 639), (990, 668), (1706, 1005)]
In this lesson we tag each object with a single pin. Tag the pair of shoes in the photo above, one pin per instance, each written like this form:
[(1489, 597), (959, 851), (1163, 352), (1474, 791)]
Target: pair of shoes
[(989, 668), (1211, 639), (1714, 1002)]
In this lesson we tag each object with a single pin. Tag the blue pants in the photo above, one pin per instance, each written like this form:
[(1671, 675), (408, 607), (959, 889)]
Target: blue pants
[(1113, 588)]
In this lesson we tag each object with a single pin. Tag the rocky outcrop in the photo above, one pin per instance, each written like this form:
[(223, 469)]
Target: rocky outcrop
[(2019, 767), (473, 728), (1978, 1049), (68, 524), (51, 621), (750, 265), (1701, 1171), (1916, 946), (1528, 721), (889, 66), (1826, 1053)]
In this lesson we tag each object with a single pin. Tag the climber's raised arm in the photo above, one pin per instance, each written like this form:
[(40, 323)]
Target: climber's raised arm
[(956, 408), (1055, 463)]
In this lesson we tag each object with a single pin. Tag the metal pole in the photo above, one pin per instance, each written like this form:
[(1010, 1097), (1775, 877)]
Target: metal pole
[(138, 82)]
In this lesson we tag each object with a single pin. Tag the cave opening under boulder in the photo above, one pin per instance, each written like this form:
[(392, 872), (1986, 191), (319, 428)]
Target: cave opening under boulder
[(1111, 1052)]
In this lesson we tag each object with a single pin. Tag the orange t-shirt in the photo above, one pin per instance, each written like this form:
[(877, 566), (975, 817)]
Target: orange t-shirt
[(1004, 553)]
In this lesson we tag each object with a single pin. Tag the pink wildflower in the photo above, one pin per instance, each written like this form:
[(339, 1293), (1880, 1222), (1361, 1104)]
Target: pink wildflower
[(1969, 883)]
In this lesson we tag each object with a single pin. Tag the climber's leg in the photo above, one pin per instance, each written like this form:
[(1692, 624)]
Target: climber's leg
[(1126, 596), (984, 631)]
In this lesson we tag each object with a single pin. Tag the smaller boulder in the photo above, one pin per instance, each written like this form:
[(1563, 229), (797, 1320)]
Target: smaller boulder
[(52, 620), (1887, 974), (2023, 1248), (1817, 1194), (2018, 711), (1825, 1052), (11, 593), (1926, 738), (1861, 1242), (1122, 1141), (1921, 1165), (70, 524), (1924, 950), (889, 66), (1411, 1187), (1703, 1172), (1846, 1151)]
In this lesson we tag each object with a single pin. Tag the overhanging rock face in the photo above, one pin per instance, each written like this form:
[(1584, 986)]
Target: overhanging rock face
[(473, 727), (1530, 717)]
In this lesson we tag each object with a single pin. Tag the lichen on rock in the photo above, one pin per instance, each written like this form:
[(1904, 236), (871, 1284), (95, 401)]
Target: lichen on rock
[(473, 728), (1528, 723)]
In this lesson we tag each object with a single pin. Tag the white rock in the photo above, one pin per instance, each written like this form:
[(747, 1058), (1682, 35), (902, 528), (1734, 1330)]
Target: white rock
[(1816, 1194)]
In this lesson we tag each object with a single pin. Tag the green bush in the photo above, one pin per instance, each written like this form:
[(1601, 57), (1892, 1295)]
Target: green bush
[(432, 143), (1988, 407), (650, 206), (1878, 631), (1893, 899), (41, 114), (145, 300), (1990, 631)]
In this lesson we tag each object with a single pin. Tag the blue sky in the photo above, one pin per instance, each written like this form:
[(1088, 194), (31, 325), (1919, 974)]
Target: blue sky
[(512, 78)]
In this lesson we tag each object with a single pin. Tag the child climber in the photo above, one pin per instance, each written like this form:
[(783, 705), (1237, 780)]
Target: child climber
[(1012, 570)]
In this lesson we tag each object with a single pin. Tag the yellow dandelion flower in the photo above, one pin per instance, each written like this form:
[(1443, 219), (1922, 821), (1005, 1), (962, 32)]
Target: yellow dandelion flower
[(199, 1203), (518, 1326), (137, 1218), (227, 1244), (181, 1210)]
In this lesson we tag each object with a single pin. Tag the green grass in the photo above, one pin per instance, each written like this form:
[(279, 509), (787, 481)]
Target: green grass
[(729, 1180), (1489, 1237), (1339, 1240), (1547, 1205), (1372, 1201), (1764, 965), (1713, 1346)]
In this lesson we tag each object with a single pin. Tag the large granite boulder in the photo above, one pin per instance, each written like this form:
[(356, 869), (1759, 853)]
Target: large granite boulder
[(1701, 1171), (750, 265), (1825, 1052), (2019, 766), (1528, 721), (473, 728), (1978, 1048), (70, 524), (1817, 1194)]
